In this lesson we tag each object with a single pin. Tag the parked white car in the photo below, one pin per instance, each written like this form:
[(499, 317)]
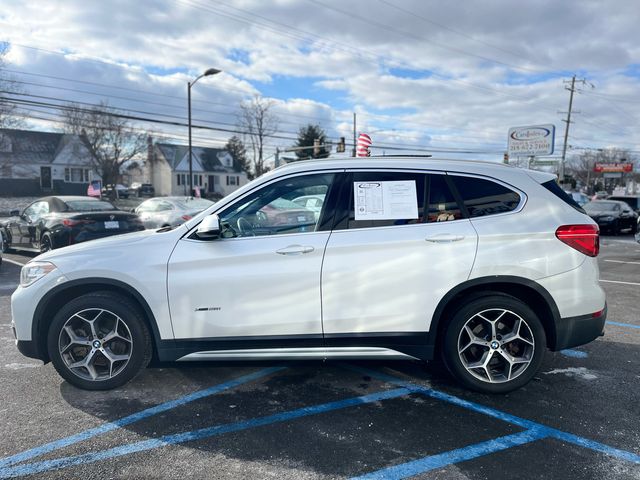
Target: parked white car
[(482, 264)]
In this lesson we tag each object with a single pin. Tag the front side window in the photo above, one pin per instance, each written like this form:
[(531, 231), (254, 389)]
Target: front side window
[(484, 197), (36, 210), (272, 210)]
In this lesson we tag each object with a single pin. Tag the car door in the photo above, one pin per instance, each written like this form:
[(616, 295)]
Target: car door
[(24, 228), (627, 217), (385, 270), (261, 279)]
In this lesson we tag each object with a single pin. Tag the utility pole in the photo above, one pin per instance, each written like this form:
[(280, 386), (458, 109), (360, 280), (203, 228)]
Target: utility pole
[(353, 152), (571, 89)]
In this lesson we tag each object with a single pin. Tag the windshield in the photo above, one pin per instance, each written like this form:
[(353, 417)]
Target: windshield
[(601, 206), (89, 206)]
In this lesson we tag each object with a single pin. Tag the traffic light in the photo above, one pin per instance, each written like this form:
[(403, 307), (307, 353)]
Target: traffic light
[(340, 147)]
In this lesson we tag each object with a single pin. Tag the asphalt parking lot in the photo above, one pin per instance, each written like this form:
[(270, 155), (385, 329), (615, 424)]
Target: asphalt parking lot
[(579, 418)]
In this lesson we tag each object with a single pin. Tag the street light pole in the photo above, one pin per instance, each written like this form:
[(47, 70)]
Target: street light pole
[(210, 71)]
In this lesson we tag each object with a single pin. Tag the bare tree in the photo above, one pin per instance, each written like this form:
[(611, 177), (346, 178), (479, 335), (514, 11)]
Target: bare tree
[(7, 84), (257, 122), (109, 137)]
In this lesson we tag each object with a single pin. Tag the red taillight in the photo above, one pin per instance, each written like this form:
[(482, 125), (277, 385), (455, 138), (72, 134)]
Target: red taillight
[(186, 217), (584, 238), (71, 223)]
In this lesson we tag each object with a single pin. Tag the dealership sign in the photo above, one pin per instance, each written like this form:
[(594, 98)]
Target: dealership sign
[(531, 141), (613, 167)]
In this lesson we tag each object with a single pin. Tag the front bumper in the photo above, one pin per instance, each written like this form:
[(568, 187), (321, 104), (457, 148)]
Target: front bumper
[(575, 331)]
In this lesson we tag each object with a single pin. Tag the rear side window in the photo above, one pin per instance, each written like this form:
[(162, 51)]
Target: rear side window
[(484, 197), (554, 188), (443, 206)]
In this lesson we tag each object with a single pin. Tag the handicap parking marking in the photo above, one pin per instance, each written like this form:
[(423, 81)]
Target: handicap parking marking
[(538, 431), (625, 325), (136, 417), (440, 460), (200, 434), (568, 352)]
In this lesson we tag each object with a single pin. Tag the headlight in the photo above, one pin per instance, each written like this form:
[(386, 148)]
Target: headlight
[(34, 271)]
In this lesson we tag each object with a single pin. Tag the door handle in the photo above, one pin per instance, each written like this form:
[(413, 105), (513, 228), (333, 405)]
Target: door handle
[(295, 250), (444, 238)]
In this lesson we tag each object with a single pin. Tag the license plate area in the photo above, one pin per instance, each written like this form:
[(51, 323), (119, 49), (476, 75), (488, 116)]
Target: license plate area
[(111, 225)]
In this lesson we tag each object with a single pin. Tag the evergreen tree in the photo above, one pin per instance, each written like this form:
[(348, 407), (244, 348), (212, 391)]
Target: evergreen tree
[(239, 153), (306, 137)]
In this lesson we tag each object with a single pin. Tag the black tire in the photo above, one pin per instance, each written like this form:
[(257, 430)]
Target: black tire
[(140, 349), (46, 243), (5, 245), (455, 338)]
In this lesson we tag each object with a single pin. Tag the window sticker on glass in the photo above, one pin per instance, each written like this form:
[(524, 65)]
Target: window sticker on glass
[(385, 200)]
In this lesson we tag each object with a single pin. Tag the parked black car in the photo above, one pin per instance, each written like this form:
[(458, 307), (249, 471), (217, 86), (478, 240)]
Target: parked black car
[(612, 216), (53, 222), (632, 200), (142, 190)]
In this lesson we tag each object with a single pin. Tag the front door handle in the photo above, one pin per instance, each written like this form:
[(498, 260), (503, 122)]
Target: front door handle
[(444, 238), (295, 250)]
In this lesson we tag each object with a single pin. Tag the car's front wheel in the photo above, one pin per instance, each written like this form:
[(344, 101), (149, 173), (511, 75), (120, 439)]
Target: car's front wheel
[(494, 344), (99, 341)]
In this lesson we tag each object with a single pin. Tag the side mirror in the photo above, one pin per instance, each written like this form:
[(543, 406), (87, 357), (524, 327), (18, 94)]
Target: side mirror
[(209, 228), (14, 213)]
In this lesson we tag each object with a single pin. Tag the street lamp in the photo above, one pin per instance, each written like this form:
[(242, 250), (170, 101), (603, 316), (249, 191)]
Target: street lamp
[(210, 71)]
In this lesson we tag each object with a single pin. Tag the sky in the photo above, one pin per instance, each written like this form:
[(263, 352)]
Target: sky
[(422, 76)]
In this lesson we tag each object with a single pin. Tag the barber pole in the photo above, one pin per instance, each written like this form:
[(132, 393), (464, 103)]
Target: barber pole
[(364, 142)]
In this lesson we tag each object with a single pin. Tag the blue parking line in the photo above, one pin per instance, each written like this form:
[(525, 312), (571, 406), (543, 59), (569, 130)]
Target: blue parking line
[(190, 436), (618, 324), (136, 417), (574, 353), (476, 407), (427, 464)]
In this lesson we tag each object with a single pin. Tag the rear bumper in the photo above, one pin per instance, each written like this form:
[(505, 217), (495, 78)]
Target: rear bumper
[(574, 331)]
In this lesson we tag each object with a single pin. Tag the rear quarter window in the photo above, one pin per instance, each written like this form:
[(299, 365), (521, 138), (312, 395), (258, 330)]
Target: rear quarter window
[(484, 197), (554, 188)]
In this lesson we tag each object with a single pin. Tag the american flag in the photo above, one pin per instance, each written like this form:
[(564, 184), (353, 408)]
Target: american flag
[(94, 189), (364, 142)]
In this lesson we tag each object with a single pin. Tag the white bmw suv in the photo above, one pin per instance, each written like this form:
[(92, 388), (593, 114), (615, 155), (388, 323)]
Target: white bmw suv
[(481, 264)]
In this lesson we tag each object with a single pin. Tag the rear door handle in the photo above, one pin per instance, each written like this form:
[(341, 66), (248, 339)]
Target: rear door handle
[(295, 250), (444, 238)]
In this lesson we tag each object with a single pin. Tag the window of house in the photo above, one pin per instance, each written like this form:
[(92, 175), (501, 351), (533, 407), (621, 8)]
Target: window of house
[(485, 197), (376, 181), (76, 175), (178, 179), (232, 180)]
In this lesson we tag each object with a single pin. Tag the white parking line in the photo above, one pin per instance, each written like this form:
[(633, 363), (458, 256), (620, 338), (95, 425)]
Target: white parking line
[(616, 281), (8, 260), (622, 261)]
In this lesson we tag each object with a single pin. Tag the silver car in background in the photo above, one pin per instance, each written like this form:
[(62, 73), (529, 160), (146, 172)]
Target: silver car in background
[(170, 211)]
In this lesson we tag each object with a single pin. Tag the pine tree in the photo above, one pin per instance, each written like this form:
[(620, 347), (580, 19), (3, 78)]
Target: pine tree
[(306, 137), (239, 153)]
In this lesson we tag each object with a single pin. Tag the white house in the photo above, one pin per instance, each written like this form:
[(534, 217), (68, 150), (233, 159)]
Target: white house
[(213, 170), (36, 163)]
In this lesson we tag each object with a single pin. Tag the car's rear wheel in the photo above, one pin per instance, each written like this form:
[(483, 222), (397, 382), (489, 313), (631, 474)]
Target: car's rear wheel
[(494, 344), (99, 341)]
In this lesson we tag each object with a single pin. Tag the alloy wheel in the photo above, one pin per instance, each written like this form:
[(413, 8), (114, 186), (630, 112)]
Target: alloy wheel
[(496, 345), (95, 344)]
